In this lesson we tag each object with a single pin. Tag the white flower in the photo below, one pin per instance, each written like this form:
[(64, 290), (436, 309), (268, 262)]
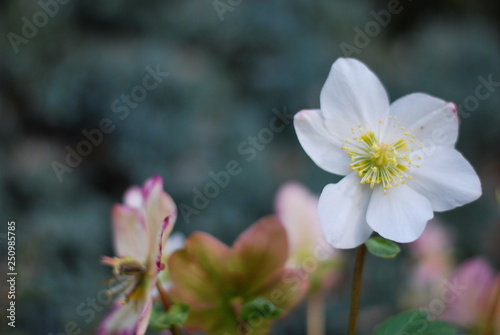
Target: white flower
[(398, 160)]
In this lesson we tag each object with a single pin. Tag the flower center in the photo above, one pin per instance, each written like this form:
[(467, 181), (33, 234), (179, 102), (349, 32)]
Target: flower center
[(380, 162), (130, 273)]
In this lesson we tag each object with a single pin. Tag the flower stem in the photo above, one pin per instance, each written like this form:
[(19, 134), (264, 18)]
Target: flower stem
[(316, 314), (356, 288), (242, 328), (495, 305), (166, 304), (163, 295)]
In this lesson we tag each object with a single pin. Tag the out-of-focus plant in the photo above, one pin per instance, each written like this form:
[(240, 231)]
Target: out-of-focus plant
[(397, 173), (433, 265), (239, 289), (467, 296), (477, 307), (297, 208), (141, 228)]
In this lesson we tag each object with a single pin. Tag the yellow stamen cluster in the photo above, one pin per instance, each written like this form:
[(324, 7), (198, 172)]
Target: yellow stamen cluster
[(378, 162), (131, 275)]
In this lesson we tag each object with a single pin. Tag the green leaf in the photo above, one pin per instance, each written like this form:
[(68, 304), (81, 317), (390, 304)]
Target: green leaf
[(261, 307), (176, 315), (413, 323), (381, 247)]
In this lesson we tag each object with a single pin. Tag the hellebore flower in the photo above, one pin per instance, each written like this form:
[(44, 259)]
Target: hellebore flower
[(398, 160), (218, 282), (141, 229), (297, 208), (475, 302)]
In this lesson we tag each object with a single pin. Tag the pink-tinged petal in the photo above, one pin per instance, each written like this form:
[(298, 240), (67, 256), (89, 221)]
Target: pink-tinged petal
[(129, 235), (323, 146), (165, 233), (134, 197), (160, 213), (158, 206), (122, 320), (353, 95), (433, 254), (494, 296), (144, 318), (342, 212), (399, 215), (150, 185), (436, 239), (297, 209), (432, 270), (471, 288), (446, 179), (168, 204), (433, 121)]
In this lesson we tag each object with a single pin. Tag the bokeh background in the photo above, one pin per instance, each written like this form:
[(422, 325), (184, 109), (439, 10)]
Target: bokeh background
[(226, 76)]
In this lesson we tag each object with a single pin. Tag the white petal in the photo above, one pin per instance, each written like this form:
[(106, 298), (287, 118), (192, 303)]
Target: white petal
[(434, 121), (446, 179), (400, 215), (133, 197), (323, 147), (342, 212), (352, 95), (175, 242)]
